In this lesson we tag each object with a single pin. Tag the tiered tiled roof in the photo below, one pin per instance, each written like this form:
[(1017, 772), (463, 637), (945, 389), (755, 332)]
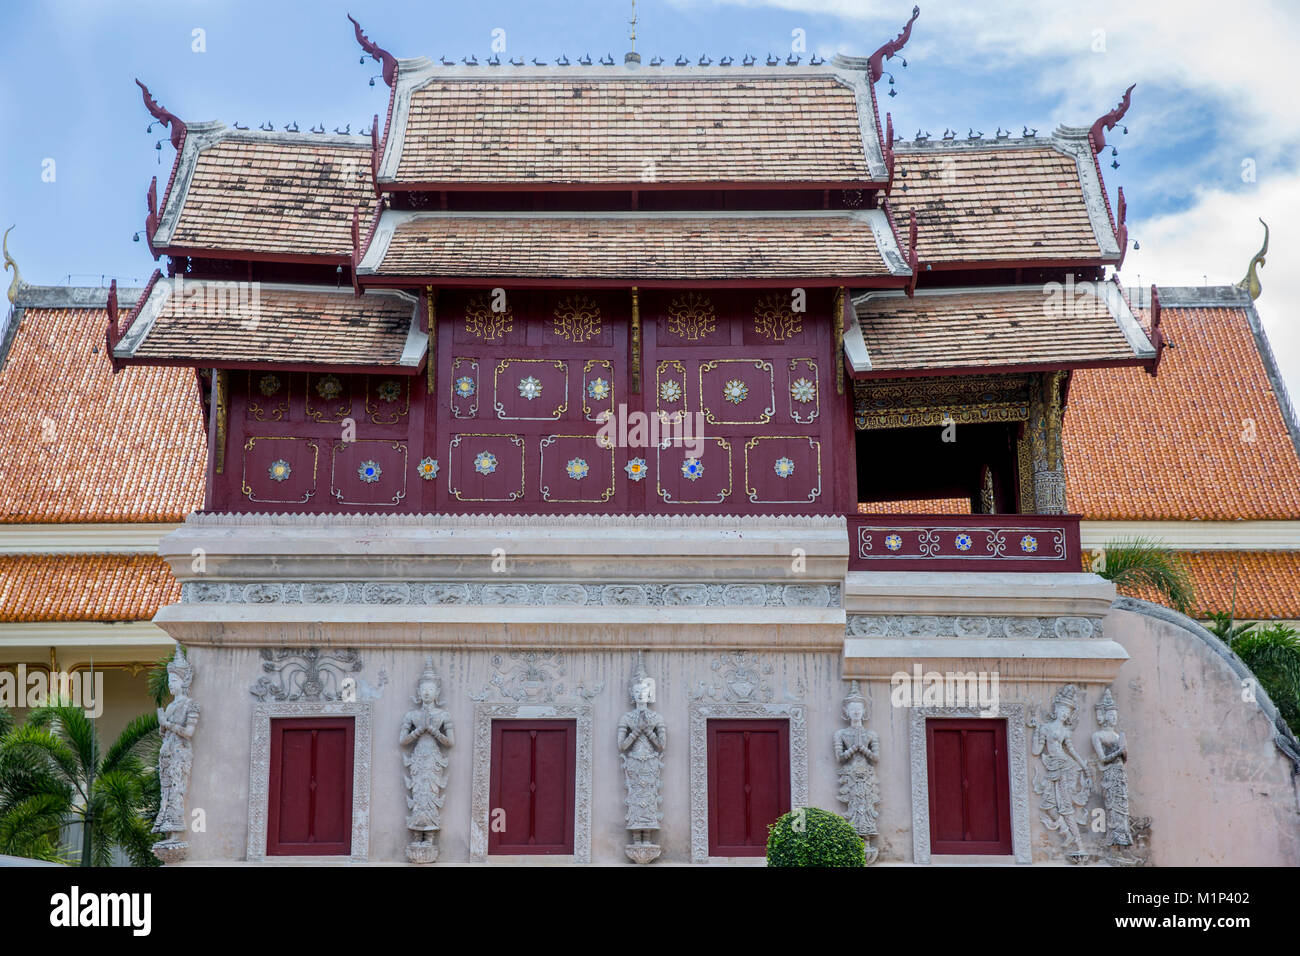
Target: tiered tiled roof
[(1023, 201), (265, 194), (84, 587), (236, 325), (997, 327), (84, 445), (647, 128), (1204, 440), (634, 246)]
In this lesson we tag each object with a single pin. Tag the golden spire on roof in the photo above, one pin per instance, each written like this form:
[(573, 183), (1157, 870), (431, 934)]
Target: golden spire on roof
[(1251, 281), (632, 56), (10, 264)]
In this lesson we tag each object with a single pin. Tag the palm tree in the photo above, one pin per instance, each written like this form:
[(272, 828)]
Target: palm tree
[(1145, 564), (1273, 655), (53, 771)]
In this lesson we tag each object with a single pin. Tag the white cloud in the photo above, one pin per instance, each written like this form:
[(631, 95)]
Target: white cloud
[(1213, 240)]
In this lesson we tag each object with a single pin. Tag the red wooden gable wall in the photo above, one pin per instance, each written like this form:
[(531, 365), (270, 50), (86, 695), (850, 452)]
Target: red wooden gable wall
[(521, 393)]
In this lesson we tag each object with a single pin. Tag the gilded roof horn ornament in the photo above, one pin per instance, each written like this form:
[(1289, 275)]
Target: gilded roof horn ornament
[(876, 62), (379, 53), (10, 264), (1250, 283), (1108, 120)]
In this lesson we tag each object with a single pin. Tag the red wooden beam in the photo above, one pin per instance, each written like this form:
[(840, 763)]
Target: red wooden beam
[(1121, 228), (631, 186)]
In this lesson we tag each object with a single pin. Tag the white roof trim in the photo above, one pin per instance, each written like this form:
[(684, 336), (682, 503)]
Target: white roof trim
[(1197, 535), (1073, 140)]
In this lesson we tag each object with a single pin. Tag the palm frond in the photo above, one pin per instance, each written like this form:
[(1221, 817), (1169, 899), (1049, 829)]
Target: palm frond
[(32, 827), (33, 743), (130, 742), (1141, 564)]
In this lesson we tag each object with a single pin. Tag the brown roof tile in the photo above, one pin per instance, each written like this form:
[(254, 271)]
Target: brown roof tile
[(529, 131), (1205, 439), (995, 204), (994, 327), (214, 322), (273, 197), (920, 506), (83, 444), (630, 247), (84, 587)]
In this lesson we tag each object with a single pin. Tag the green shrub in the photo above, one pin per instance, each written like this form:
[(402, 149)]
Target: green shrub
[(807, 836)]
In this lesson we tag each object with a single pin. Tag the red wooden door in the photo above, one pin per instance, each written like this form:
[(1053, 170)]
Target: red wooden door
[(749, 783), (310, 811), (532, 783), (970, 805)]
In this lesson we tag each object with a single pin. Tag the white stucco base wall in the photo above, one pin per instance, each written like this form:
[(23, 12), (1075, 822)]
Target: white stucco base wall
[(1204, 762)]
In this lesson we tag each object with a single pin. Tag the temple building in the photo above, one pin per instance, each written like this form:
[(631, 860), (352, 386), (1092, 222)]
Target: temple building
[(593, 462)]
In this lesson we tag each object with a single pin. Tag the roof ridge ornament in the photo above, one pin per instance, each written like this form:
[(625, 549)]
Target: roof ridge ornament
[(1097, 134), (379, 53), (876, 62), (1249, 283), (10, 264), (166, 118)]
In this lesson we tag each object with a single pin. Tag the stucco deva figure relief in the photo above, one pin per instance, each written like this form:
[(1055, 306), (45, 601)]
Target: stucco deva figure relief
[(857, 750), (428, 728), (641, 738), (1061, 780), (175, 759)]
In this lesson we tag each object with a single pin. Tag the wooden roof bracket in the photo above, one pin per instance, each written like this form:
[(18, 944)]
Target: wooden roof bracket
[(913, 260), (1121, 228), (1157, 336)]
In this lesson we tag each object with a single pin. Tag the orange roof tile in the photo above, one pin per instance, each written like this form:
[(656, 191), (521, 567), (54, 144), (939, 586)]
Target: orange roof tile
[(198, 323), (1205, 439), (84, 445), (267, 194), (631, 246), (84, 587), (1267, 583), (920, 506), (990, 203), (998, 326), (638, 129)]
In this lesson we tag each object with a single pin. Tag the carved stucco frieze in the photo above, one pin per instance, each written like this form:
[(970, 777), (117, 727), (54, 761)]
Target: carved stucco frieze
[(307, 674), (442, 593), (971, 627), (741, 689)]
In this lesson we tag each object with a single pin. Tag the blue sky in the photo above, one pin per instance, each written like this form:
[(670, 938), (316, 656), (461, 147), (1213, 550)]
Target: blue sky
[(1214, 99)]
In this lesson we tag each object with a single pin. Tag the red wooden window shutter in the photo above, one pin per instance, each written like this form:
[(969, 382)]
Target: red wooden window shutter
[(532, 786), (749, 783), (970, 803), (310, 812)]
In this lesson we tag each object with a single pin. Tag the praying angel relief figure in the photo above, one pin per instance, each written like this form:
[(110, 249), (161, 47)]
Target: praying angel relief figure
[(1062, 780), (177, 722), (429, 728)]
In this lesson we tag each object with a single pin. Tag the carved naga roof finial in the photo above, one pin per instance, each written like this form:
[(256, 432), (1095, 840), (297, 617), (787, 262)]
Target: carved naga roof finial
[(10, 264), (379, 53), (1107, 121), (876, 62), (1250, 283), (170, 120)]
